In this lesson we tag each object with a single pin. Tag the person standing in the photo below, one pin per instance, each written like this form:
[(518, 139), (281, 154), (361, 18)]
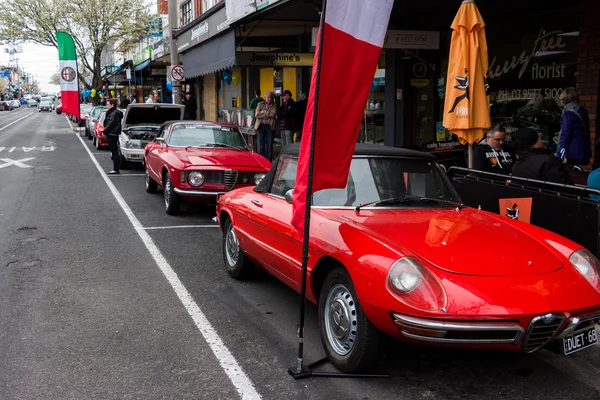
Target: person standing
[(299, 112), (151, 97), (133, 100), (574, 145), (112, 131), (534, 161), (124, 103), (266, 118), (191, 106), (257, 99), (286, 118), (493, 154)]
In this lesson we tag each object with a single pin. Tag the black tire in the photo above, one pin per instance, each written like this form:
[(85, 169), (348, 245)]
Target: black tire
[(172, 199), (237, 264), (354, 345), (151, 185)]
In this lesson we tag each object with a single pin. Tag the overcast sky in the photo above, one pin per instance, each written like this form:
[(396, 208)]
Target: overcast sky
[(40, 61)]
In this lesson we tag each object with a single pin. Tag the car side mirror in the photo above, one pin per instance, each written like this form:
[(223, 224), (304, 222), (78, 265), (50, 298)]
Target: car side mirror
[(289, 196), (159, 140)]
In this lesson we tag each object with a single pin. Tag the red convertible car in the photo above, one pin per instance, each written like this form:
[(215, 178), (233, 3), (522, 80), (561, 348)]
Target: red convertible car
[(397, 252), (199, 161)]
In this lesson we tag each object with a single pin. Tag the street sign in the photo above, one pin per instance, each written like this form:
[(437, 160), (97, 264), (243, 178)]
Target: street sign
[(128, 74), (177, 73)]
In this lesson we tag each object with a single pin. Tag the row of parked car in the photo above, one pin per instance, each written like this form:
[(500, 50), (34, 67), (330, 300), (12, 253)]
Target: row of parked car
[(9, 105)]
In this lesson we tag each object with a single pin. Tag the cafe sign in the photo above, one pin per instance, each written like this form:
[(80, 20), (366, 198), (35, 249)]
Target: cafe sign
[(275, 59), (427, 40), (203, 30)]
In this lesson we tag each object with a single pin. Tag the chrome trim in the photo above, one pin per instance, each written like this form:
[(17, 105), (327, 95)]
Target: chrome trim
[(574, 321), (195, 193), (532, 325), (459, 326)]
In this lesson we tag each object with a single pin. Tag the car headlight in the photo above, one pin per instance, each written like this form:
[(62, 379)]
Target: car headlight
[(134, 144), (196, 178), (413, 284), (588, 265), (259, 177)]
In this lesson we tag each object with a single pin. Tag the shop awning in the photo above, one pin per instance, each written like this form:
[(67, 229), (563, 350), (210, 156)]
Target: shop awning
[(143, 65), (214, 55)]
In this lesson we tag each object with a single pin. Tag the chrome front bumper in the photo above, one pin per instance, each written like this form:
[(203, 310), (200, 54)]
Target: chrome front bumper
[(197, 193), (458, 332)]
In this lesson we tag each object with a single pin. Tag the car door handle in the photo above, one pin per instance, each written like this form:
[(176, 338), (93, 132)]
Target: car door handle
[(256, 203)]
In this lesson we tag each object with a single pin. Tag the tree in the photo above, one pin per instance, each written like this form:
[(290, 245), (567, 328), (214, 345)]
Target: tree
[(94, 25), (54, 79)]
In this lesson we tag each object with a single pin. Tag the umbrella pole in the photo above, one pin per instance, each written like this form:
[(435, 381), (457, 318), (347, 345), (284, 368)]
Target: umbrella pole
[(470, 155)]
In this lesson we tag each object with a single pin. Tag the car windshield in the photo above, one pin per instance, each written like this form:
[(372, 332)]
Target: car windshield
[(85, 109), (45, 103), (407, 182), (202, 135), (97, 111)]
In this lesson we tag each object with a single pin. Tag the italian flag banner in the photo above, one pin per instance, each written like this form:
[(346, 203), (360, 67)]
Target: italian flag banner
[(69, 82)]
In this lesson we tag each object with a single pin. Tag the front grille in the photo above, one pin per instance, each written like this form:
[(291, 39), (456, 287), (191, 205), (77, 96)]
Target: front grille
[(213, 176), (541, 330), (231, 177)]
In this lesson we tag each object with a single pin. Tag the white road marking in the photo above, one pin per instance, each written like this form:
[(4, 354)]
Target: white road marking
[(234, 371), (14, 122), (179, 226), (115, 175), (17, 163)]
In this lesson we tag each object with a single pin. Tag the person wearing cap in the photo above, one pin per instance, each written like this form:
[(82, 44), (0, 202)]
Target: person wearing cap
[(534, 161), (191, 107), (151, 97), (286, 118)]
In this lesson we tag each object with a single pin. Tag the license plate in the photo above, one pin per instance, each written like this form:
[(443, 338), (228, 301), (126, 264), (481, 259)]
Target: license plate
[(580, 341)]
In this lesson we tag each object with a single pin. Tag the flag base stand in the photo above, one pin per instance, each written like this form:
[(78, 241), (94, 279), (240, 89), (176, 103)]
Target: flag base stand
[(308, 372)]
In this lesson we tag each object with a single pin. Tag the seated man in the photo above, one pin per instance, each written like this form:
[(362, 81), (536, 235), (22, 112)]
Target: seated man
[(534, 161), (493, 154)]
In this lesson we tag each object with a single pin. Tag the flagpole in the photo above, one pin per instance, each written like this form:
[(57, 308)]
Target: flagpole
[(307, 209)]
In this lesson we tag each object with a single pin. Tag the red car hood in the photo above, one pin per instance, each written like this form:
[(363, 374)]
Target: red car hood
[(218, 157), (465, 242)]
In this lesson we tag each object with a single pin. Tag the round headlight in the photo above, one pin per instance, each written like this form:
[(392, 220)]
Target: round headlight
[(588, 265), (259, 177), (404, 276), (196, 178)]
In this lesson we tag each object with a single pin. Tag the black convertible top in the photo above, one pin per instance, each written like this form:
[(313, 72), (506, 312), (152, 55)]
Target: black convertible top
[(361, 149)]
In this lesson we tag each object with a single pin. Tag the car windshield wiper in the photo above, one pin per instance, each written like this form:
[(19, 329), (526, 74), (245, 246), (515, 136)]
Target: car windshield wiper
[(409, 199), (223, 145)]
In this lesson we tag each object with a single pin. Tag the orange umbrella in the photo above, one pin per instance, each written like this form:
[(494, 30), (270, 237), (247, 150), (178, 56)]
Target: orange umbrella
[(466, 108)]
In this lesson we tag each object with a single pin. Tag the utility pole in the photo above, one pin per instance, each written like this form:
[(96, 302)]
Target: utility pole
[(174, 55)]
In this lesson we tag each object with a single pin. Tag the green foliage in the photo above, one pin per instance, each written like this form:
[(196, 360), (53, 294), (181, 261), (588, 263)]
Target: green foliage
[(94, 24)]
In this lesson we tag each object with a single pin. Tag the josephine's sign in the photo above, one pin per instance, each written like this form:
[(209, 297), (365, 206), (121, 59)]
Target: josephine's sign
[(546, 41)]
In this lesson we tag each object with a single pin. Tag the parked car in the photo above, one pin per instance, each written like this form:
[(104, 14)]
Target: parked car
[(99, 140), (6, 105), (90, 122), (32, 103), (141, 123), (22, 101), (396, 252), (84, 112), (15, 103), (199, 161), (44, 105)]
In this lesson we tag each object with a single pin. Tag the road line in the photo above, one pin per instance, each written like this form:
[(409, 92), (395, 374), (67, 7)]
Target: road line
[(148, 228), (115, 175), (14, 122), (234, 371)]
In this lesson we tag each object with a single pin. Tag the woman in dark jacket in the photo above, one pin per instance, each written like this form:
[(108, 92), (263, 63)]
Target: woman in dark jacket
[(575, 144), (534, 161), (112, 131)]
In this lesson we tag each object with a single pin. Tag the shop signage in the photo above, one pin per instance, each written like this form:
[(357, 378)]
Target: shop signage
[(275, 59), (260, 4), (428, 40), (238, 9), (143, 55), (160, 48), (204, 30)]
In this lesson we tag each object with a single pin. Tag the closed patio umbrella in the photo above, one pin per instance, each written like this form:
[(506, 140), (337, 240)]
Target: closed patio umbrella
[(466, 107)]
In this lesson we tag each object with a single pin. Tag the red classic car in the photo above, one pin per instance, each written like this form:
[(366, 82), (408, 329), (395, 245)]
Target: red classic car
[(397, 252), (99, 140), (199, 161)]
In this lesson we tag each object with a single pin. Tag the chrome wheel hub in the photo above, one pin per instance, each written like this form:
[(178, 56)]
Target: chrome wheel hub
[(341, 320), (147, 180), (167, 192), (232, 247)]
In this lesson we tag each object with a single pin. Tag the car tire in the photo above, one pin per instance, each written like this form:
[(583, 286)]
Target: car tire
[(237, 264), (351, 341), (172, 199), (151, 185)]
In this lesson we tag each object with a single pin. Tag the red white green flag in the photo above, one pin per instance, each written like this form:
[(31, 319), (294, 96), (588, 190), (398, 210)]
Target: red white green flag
[(69, 82)]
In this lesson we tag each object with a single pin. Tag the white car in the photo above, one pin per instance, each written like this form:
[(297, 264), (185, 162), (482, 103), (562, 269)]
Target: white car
[(141, 123), (32, 103)]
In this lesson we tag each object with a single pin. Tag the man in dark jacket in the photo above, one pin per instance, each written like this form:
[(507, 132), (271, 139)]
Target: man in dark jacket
[(286, 118), (191, 107), (493, 154), (112, 131), (299, 112), (534, 161)]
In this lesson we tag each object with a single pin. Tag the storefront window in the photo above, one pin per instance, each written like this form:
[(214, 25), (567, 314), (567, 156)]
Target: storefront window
[(372, 128)]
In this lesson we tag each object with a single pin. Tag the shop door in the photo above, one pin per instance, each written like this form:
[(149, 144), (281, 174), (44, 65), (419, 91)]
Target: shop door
[(420, 102)]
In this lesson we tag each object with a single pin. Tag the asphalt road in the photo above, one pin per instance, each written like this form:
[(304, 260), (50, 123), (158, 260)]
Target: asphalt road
[(107, 297)]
